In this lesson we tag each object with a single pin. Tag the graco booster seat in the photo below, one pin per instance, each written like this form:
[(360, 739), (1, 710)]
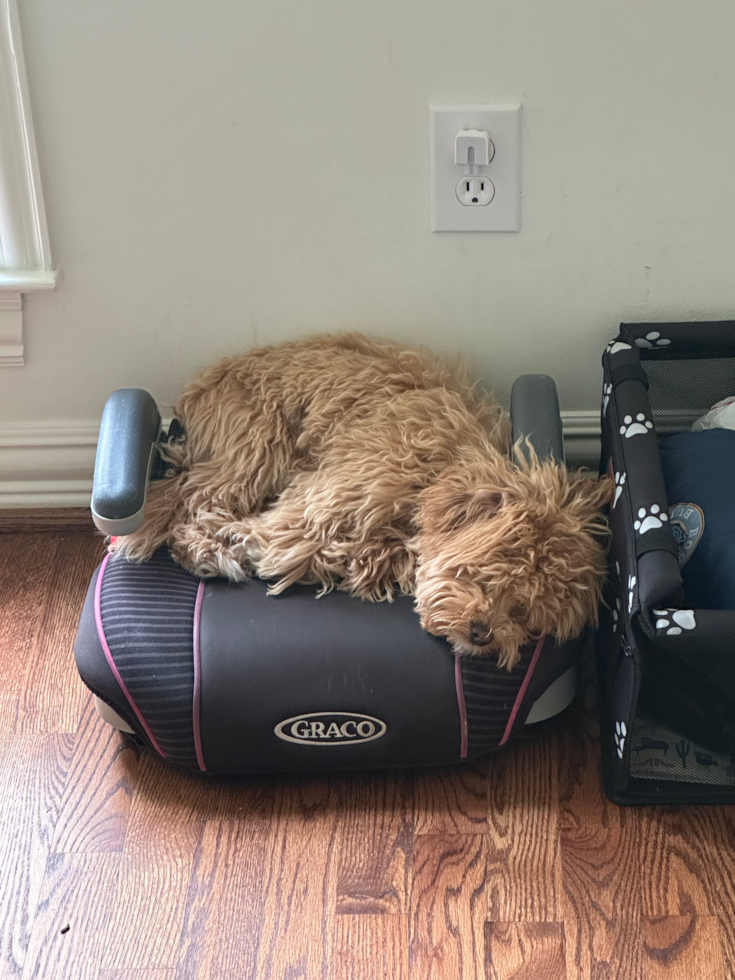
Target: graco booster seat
[(222, 678)]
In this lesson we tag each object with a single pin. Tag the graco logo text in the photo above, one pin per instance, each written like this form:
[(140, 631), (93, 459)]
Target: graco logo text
[(330, 728)]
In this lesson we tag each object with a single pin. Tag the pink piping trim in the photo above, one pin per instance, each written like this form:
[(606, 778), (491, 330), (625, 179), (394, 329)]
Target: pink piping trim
[(198, 677), (111, 662), (462, 706), (522, 692)]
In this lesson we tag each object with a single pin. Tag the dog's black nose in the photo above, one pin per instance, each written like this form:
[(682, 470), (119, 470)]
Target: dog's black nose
[(480, 634)]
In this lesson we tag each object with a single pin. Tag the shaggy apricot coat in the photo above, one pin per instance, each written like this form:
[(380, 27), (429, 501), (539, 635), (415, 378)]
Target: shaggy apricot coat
[(358, 464)]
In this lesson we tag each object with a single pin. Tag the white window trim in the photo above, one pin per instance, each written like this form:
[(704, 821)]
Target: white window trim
[(25, 255)]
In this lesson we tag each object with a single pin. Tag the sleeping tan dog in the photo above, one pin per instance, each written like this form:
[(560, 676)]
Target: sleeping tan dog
[(360, 465)]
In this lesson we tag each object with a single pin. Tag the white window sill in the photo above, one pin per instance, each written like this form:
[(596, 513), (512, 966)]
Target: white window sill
[(12, 287), (25, 257)]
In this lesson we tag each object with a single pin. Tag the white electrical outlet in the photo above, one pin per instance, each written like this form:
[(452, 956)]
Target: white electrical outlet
[(475, 192), (467, 196)]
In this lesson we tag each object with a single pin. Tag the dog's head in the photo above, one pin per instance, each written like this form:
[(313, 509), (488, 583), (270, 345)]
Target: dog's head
[(507, 553)]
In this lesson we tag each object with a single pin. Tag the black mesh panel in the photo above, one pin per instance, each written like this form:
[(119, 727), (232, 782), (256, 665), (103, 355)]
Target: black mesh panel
[(682, 391)]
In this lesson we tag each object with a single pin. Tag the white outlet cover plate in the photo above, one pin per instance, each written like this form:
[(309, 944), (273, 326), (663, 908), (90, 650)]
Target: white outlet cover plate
[(503, 122)]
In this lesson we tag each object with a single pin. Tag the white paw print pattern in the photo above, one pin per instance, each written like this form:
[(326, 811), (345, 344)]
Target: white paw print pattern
[(616, 615), (631, 591), (617, 567), (640, 427), (606, 392), (674, 620), (649, 519), (615, 346), (620, 732), (652, 339), (619, 483)]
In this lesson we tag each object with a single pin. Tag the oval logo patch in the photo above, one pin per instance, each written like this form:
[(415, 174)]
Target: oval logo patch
[(330, 728), (687, 523)]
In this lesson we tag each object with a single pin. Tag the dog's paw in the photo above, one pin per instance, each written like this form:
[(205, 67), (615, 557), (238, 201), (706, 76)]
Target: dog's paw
[(648, 520), (207, 558), (640, 427), (242, 537), (674, 621), (652, 339), (619, 483)]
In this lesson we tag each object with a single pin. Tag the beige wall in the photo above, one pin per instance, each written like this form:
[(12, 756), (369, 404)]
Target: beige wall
[(219, 174)]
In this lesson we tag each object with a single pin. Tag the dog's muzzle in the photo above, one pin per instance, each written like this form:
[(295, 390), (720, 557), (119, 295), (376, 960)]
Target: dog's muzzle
[(480, 634)]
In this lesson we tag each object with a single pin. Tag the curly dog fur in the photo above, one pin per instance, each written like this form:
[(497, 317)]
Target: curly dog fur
[(358, 464)]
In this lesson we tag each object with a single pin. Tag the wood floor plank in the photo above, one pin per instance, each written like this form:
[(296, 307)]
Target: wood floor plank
[(601, 904), (300, 882), (600, 858), (687, 858), (681, 947), (524, 853), (368, 947), (223, 921), (689, 863), (52, 695), (524, 951), (375, 843), (26, 569), (448, 908), (452, 800), (709, 834), (33, 771), (94, 809), (8, 714), (45, 520), (582, 800), (164, 829), (67, 934), (137, 975)]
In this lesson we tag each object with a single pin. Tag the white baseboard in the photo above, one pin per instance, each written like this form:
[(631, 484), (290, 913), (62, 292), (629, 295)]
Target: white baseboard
[(50, 464), (47, 464)]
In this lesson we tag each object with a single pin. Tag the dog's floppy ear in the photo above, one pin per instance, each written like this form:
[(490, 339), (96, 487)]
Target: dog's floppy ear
[(485, 502), (587, 498), (595, 493), (447, 508)]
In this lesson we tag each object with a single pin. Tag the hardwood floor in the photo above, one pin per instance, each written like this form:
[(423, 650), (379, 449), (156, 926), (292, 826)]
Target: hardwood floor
[(113, 867)]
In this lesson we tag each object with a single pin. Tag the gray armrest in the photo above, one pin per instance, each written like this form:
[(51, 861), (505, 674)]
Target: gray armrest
[(126, 450), (534, 410)]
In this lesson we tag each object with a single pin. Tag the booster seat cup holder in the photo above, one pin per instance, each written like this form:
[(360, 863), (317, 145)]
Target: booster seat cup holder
[(221, 678)]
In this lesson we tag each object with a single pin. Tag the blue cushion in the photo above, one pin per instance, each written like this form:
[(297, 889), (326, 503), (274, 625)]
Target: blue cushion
[(699, 468)]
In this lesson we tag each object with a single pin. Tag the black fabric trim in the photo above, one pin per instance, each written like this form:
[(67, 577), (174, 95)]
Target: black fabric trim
[(148, 618), (628, 372), (659, 539), (703, 339), (489, 694), (682, 354), (651, 792)]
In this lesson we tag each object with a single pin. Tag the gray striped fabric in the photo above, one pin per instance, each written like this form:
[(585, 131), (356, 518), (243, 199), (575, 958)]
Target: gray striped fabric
[(489, 695), (148, 620)]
